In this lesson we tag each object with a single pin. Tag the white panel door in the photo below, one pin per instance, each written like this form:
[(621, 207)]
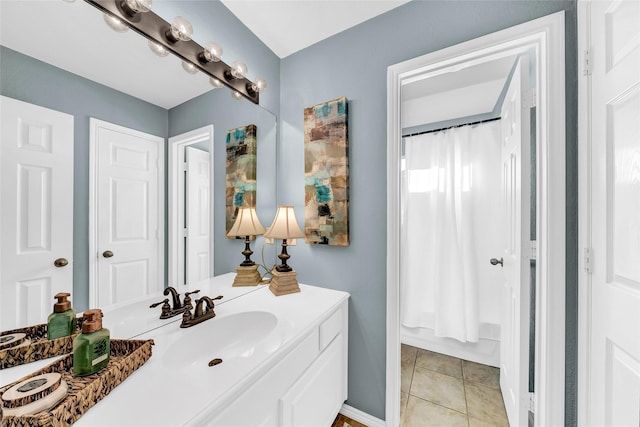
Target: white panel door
[(129, 213), (36, 216), (614, 364), (198, 217), (514, 336)]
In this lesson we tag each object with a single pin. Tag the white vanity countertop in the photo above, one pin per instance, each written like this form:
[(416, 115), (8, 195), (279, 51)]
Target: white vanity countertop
[(130, 320), (176, 383)]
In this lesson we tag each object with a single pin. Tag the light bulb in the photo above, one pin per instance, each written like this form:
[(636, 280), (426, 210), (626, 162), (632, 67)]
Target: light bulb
[(236, 95), (212, 52), (239, 70), (259, 85), (189, 67), (181, 29), (217, 84), (158, 49), (137, 6), (115, 23)]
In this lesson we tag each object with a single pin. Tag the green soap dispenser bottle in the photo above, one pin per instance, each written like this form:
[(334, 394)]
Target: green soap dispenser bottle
[(92, 347), (62, 322)]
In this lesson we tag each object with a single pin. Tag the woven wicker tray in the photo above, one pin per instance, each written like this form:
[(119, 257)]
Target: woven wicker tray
[(84, 392), (40, 348)]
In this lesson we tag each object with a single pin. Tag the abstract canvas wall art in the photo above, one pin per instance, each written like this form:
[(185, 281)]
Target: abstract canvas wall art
[(241, 171), (326, 173)]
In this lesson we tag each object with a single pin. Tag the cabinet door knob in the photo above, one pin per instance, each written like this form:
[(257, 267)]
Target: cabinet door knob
[(107, 254), (494, 261), (60, 262)]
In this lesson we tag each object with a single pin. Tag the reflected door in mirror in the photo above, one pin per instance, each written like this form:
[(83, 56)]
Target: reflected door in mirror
[(129, 209), (197, 215), (37, 211)]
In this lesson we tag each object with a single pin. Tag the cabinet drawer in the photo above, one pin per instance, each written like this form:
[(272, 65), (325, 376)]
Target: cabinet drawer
[(330, 328)]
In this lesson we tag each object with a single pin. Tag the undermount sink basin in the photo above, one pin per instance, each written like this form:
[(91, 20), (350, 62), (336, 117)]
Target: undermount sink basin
[(234, 336)]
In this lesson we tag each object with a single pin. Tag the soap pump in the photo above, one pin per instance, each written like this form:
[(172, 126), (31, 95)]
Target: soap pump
[(92, 347), (62, 322)]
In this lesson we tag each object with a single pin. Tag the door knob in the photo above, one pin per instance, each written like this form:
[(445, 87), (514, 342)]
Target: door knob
[(107, 254), (60, 262), (494, 261)]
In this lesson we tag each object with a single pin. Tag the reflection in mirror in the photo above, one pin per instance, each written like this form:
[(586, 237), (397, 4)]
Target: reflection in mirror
[(64, 58)]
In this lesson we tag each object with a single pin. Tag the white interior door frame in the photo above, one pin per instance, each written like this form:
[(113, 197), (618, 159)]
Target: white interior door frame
[(95, 125), (584, 216), (177, 145), (546, 36)]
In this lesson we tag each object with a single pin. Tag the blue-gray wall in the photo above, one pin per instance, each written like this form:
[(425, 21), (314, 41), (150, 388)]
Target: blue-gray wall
[(33, 81), (354, 64)]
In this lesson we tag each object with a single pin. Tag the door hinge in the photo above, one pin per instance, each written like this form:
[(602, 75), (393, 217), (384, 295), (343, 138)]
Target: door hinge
[(532, 402), (185, 232), (529, 99), (588, 259), (534, 249), (533, 100), (185, 167), (586, 62)]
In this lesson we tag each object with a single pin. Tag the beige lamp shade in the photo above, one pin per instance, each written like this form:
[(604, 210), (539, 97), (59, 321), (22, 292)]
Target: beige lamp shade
[(246, 224), (285, 225)]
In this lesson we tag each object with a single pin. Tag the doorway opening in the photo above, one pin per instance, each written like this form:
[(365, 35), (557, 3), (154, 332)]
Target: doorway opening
[(545, 39), (190, 207)]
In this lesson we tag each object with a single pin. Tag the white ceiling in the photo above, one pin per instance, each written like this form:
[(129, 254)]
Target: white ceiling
[(287, 26), (50, 34), (466, 92)]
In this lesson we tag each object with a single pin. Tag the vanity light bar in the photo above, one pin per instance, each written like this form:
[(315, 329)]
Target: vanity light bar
[(153, 27)]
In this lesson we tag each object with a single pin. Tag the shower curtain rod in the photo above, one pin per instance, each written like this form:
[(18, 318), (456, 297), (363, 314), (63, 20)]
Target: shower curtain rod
[(451, 127)]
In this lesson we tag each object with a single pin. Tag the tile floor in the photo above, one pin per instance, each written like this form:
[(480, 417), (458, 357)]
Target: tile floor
[(439, 390)]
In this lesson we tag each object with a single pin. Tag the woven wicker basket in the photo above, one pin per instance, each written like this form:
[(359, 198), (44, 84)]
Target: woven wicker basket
[(40, 348), (84, 392)]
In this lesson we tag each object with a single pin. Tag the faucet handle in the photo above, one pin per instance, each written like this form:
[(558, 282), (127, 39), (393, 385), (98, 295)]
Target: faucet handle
[(164, 302), (166, 308), (187, 298)]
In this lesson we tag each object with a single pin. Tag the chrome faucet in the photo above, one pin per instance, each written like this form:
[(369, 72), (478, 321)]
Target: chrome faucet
[(200, 313)]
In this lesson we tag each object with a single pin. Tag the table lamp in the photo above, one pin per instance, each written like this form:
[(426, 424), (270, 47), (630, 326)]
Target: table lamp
[(246, 225), (284, 227)]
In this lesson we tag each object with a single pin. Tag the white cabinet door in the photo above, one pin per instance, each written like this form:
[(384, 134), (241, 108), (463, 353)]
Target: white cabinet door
[(198, 215), (514, 338), (36, 153), (316, 398), (614, 312), (129, 213)]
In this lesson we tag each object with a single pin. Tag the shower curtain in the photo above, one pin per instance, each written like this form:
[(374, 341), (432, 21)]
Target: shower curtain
[(439, 285)]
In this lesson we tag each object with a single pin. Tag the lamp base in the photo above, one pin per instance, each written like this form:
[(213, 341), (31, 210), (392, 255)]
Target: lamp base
[(283, 283), (247, 276)]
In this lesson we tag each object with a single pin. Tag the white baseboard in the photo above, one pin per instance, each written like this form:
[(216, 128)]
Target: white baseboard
[(361, 417)]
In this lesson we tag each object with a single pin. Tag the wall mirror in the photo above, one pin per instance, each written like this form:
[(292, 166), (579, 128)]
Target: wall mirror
[(73, 43)]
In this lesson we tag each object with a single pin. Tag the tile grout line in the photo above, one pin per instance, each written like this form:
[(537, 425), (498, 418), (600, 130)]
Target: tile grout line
[(464, 389)]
